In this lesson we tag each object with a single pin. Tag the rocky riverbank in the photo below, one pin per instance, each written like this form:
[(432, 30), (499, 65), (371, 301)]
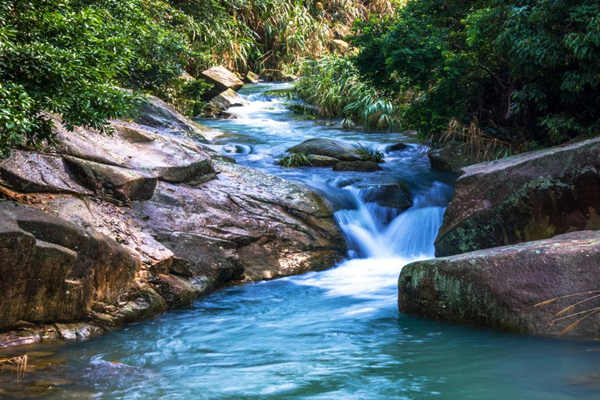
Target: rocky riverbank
[(97, 231), (521, 246)]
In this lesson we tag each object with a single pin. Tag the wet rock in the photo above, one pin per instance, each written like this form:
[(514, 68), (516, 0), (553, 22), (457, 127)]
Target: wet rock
[(237, 149), (387, 195), (222, 78), (327, 147), (532, 287), (396, 147), (78, 331), (227, 99), (526, 197), (251, 77), (277, 75), (120, 183), (360, 166), (31, 172), (322, 161)]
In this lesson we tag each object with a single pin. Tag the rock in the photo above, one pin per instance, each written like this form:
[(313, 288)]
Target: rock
[(527, 197), (524, 288), (227, 99), (452, 157), (166, 158), (78, 331), (237, 149), (322, 161), (53, 270), (397, 147), (251, 77), (387, 195), (361, 166), (155, 113), (233, 228), (31, 172), (177, 292), (327, 147), (133, 133), (121, 183), (222, 79)]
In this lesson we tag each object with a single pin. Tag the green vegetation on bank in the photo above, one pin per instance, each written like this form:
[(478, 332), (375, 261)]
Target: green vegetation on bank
[(523, 72), (73, 57)]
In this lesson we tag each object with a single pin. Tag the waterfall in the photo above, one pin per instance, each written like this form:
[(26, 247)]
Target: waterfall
[(409, 235)]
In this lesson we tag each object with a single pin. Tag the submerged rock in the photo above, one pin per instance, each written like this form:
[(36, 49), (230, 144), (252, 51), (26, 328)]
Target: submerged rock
[(327, 147), (526, 197), (387, 195), (546, 287), (360, 166), (396, 147)]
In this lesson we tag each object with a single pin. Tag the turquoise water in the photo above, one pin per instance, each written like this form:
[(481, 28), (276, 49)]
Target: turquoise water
[(335, 334)]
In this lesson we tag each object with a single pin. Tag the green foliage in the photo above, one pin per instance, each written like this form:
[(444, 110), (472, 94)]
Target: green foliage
[(367, 154), (295, 160), (525, 70), (72, 57), (69, 57), (335, 87)]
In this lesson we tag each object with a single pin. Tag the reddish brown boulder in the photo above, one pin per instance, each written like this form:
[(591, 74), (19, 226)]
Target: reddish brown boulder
[(547, 287), (526, 197)]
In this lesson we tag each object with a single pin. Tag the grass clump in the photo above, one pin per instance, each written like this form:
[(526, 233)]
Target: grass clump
[(334, 85), (367, 154), (295, 160)]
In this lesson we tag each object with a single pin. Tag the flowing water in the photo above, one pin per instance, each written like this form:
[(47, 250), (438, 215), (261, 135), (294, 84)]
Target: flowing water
[(335, 334)]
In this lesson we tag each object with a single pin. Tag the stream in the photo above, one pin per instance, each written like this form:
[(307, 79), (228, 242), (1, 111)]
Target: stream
[(335, 334)]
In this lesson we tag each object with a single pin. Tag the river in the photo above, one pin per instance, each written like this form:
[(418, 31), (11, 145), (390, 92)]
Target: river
[(335, 334)]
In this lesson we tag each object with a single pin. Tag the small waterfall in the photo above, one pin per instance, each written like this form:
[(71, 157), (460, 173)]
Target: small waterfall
[(379, 248), (409, 235)]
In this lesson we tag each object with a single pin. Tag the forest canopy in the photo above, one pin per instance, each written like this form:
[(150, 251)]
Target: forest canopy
[(523, 71)]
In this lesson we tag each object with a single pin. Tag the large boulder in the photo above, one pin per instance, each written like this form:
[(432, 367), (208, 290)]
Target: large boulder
[(222, 79), (527, 197), (547, 287), (164, 157), (327, 147), (53, 270)]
